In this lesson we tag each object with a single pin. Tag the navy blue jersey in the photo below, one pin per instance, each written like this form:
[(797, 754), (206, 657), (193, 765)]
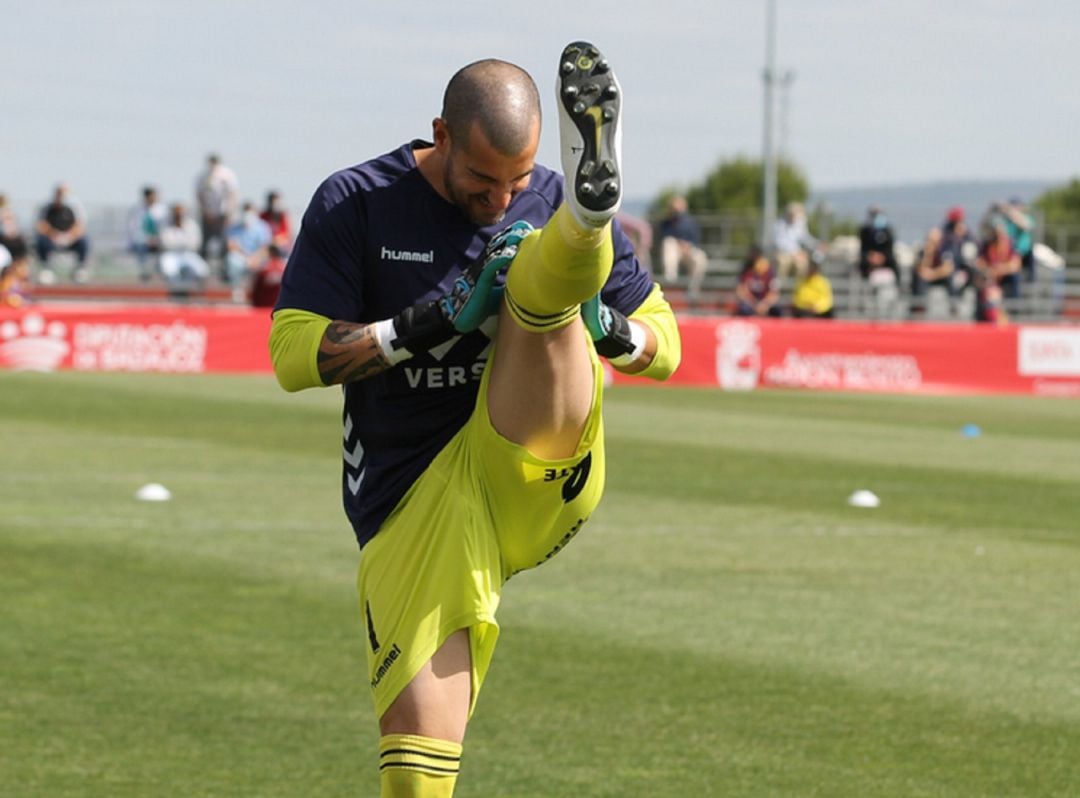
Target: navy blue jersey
[(376, 239)]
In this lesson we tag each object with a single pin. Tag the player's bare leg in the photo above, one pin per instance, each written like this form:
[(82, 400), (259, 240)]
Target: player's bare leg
[(436, 701), (541, 388), (422, 731)]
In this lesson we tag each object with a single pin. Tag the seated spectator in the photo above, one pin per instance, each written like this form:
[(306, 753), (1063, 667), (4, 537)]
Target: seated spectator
[(247, 248), (877, 263), (757, 292), (792, 243), (933, 276), (944, 270), (876, 247), (180, 263), (275, 215), (960, 246), (266, 285), (15, 283), (61, 227), (998, 261), (9, 223), (813, 295), (1020, 225), (680, 247), (144, 223)]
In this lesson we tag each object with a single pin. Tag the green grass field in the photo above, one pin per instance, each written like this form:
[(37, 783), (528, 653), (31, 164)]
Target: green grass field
[(726, 625)]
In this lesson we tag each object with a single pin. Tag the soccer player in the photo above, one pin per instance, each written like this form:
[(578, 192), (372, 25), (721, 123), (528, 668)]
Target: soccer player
[(473, 440)]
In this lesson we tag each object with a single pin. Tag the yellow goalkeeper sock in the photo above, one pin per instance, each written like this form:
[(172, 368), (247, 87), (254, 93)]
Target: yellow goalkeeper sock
[(411, 766), (556, 269)]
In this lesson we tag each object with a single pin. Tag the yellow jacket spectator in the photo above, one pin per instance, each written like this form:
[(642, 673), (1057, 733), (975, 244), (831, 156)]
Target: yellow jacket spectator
[(813, 296)]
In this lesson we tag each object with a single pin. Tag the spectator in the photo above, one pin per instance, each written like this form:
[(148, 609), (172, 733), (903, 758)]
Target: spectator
[(248, 244), (996, 216), (9, 223), (960, 246), (876, 243), (216, 195), (757, 292), (944, 271), (15, 282), (61, 227), (1020, 225), (680, 247), (877, 263), (181, 264), (275, 215), (933, 276), (266, 285), (792, 242), (813, 295), (998, 261), (144, 223)]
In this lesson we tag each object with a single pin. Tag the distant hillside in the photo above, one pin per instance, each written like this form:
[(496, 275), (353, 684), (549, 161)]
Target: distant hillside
[(916, 207)]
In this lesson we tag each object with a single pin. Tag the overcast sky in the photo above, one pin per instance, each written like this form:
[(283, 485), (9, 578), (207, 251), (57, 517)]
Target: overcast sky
[(111, 94)]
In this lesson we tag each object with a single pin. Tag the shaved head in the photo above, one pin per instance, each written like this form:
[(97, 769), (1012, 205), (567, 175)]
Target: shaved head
[(497, 95)]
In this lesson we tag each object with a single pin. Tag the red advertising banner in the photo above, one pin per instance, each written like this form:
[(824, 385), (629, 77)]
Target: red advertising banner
[(728, 353), (166, 338), (742, 354)]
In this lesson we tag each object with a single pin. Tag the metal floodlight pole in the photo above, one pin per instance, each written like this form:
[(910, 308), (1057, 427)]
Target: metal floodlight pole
[(785, 80), (768, 211)]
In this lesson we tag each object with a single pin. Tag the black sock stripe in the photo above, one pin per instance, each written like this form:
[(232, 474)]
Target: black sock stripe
[(536, 320), (414, 752), (424, 768), (541, 316), (531, 319)]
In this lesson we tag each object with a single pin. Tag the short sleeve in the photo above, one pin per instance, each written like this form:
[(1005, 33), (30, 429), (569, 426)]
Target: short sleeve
[(325, 270)]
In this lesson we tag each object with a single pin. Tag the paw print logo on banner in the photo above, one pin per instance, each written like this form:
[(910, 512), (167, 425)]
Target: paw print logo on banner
[(33, 344)]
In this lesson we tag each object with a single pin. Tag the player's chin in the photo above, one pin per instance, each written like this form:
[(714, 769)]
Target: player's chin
[(484, 216)]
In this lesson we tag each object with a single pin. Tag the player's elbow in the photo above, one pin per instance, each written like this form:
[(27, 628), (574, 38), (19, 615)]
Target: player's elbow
[(294, 342), (666, 362), (665, 359), (668, 353), (287, 378)]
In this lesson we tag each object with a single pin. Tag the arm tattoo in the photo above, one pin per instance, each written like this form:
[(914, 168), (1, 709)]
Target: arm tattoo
[(349, 352)]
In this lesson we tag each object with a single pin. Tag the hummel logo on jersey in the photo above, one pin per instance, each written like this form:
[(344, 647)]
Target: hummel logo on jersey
[(388, 661), (405, 254)]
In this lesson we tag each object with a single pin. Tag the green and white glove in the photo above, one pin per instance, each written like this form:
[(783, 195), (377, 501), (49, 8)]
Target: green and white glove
[(614, 337), (472, 299)]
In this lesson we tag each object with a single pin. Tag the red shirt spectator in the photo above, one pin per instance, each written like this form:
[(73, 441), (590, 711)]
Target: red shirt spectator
[(758, 290), (275, 215), (267, 281)]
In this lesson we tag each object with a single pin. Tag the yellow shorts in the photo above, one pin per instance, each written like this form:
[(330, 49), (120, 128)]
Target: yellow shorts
[(482, 511)]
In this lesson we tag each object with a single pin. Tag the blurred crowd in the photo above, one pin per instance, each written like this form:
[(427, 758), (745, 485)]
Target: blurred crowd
[(242, 245), (959, 271)]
